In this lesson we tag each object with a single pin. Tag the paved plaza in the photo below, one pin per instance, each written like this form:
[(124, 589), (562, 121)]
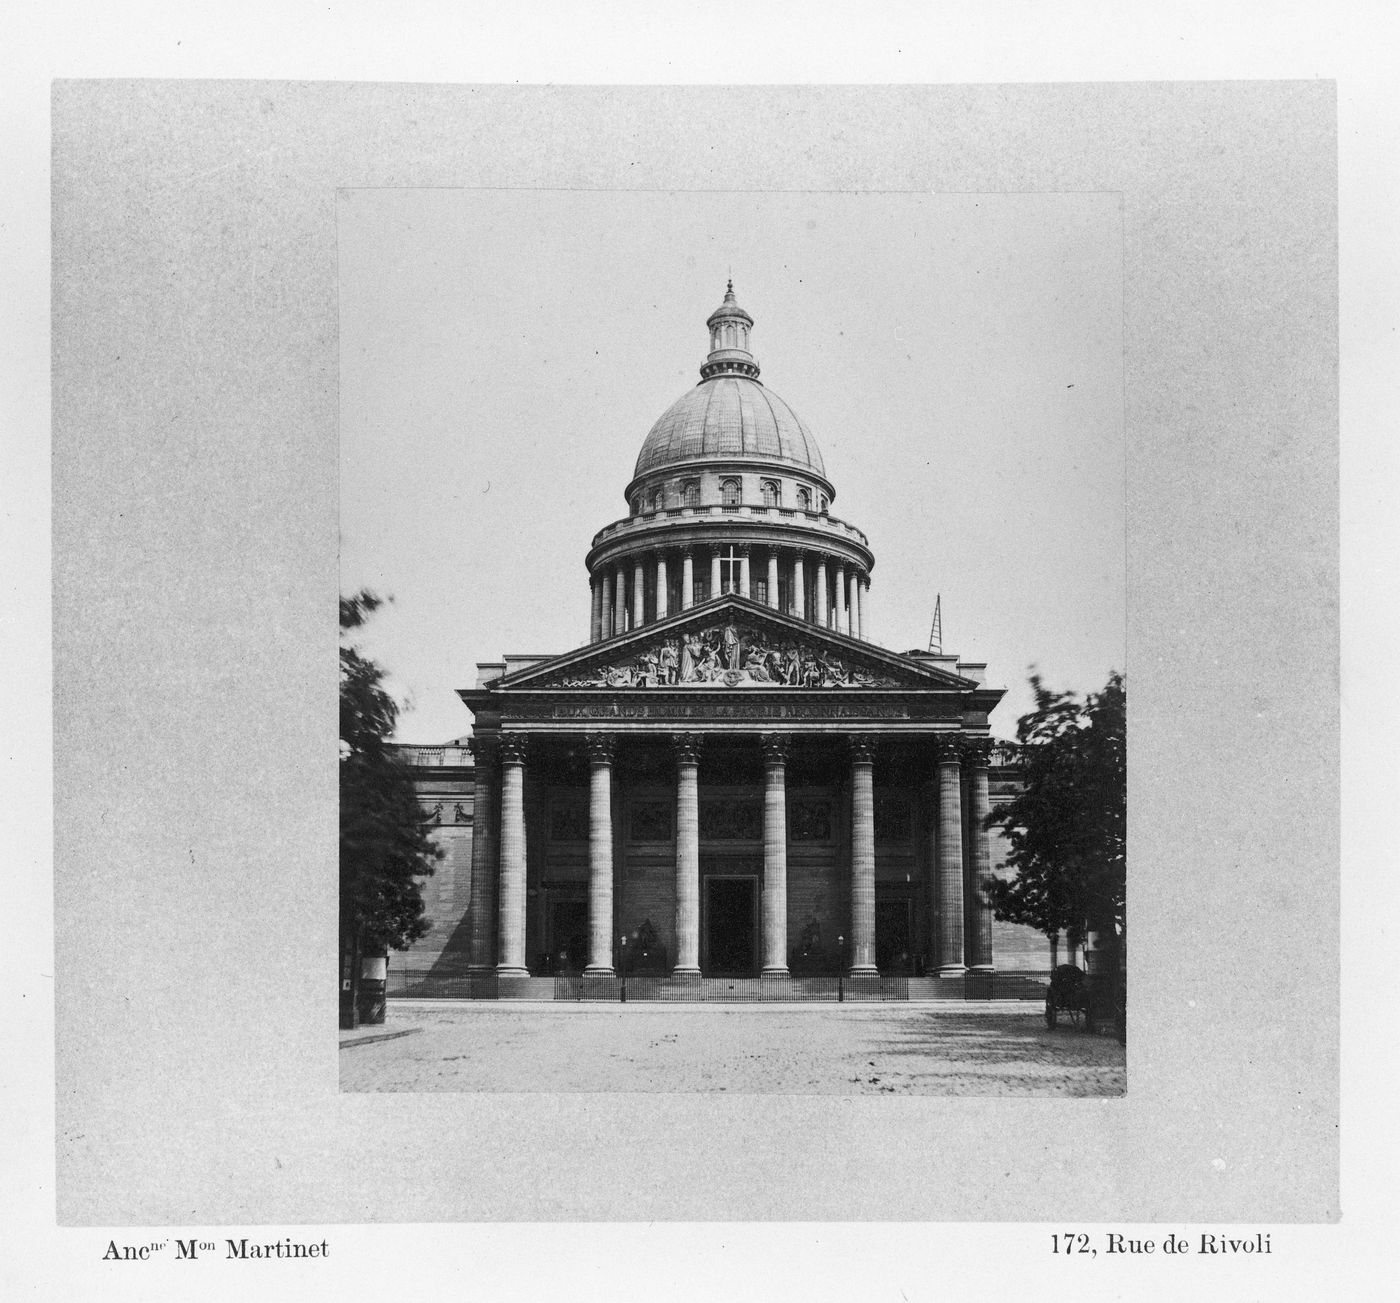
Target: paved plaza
[(892, 1049)]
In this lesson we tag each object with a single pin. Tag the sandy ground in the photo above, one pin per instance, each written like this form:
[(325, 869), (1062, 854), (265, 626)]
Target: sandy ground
[(898, 1050)]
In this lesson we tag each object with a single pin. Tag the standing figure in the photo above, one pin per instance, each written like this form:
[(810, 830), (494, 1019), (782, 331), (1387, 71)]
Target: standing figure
[(792, 665), (668, 662), (690, 654), (729, 640)]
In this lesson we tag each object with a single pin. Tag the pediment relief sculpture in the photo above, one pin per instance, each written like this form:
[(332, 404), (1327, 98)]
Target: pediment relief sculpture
[(729, 655)]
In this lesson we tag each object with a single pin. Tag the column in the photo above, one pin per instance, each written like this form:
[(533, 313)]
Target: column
[(511, 943), (716, 580), (821, 592), (862, 855), (744, 572), (687, 579), (950, 855), (600, 853), (687, 748), (853, 603), (481, 903), (864, 603), (775, 747), (663, 596), (595, 608), (639, 595), (773, 577), (838, 609), (605, 605), (979, 931), (620, 600), (799, 588)]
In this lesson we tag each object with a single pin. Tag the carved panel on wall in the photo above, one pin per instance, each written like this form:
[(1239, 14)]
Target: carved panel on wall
[(731, 655), (731, 819), (809, 820), (893, 819), (568, 818), (651, 821)]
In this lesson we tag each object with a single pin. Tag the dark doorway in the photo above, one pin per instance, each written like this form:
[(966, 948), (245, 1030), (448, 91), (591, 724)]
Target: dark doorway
[(892, 936), (568, 935), (730, 926)]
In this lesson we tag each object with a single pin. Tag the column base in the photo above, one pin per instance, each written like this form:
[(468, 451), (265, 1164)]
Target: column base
[(951, 970), (982, 968), (599, 970), (507, 970), (480, 970), (863, 970), (686, 970), (776, 970)]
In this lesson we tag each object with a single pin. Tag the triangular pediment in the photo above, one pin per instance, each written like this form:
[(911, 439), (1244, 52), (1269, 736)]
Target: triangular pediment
[(731, 643)]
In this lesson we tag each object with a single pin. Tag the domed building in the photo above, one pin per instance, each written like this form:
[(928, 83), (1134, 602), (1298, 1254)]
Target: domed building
[(728, 780)]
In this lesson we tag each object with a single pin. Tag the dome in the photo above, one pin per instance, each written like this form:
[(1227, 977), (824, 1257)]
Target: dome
[(729, 416)]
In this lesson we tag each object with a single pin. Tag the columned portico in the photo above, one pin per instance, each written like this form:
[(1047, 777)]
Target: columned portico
[(511, 941), (862, 855), (775, 749), (949, 868), (600, 853), (687, 751)]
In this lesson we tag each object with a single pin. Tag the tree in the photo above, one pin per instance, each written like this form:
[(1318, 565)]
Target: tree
[(1067, 827), (385, 845)]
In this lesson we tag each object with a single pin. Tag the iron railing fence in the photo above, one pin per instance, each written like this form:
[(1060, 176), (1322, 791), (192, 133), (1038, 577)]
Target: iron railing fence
[(427, 983)]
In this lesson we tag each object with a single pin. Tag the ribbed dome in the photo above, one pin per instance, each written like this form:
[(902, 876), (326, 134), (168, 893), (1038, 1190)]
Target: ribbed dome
[(729, 416)]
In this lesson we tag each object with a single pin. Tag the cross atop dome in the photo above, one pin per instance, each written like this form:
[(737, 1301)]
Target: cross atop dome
[(729, 327)]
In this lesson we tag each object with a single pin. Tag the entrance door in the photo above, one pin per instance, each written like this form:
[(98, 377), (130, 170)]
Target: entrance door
[(731, 926), (892, 936), (568, 934)]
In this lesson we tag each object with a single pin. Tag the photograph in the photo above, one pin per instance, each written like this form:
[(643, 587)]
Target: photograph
[(732, 681)]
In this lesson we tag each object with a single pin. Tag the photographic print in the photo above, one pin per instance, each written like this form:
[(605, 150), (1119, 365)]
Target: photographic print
[(827, 735)]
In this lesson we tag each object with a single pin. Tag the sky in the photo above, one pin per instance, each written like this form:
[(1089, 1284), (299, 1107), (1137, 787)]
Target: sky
[(958, 357)]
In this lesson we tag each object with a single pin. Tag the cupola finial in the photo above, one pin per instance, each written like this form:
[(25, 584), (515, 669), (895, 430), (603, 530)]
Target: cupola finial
[(729, 328)]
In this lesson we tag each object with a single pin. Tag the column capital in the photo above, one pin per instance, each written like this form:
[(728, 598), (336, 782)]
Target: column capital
[(687, 747), (601, 747), (977, 751), (485, 747), (776, 747), (687, 550), (514, 747), (948, 748), (862, 747), (741, 549)]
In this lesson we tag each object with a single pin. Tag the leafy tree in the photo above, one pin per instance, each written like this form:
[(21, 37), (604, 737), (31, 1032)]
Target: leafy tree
[(385, 845), (1067, 827)]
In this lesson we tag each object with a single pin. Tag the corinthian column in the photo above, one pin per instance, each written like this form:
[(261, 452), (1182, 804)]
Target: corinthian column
[(595, 616), (620, 600), (639, 594), (773, 577), (687, 579), (512, 905), (744, 572), (821, 592), (687, 746), (663, 595), (862, 855), (600, 853), (839, 601), (716, 579), (481, 903), (605, 613), (853, 602), (775, 748), (799, 588), (950, 859), (979, 931)]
